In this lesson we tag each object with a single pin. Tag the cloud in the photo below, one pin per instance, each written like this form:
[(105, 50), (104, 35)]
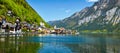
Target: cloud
[(68, 10), (91, 0)]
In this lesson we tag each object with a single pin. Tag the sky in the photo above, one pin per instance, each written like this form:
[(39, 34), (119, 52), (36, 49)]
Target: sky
[(51, 10)]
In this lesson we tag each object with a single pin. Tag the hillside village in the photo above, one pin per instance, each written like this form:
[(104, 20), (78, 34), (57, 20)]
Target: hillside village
[(19, 26)]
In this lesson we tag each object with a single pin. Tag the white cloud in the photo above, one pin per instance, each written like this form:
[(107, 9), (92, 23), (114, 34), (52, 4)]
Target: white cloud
[(68, 10), (91, 0)]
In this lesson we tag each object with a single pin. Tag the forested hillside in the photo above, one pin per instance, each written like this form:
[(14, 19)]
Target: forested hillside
[(11, 9)]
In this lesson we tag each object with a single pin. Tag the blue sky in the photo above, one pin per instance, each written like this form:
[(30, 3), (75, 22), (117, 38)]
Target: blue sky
[(51, 10)]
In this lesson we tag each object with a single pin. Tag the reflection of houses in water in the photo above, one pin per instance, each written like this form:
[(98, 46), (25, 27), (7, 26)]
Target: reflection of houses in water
[(16, 46)]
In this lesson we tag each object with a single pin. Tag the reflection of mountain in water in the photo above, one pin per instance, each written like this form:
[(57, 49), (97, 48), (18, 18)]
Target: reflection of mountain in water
[(60, 44), (54, 48), (78, 44)]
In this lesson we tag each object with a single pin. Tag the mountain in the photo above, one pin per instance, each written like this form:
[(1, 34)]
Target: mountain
[(10, 9), (103, 15)]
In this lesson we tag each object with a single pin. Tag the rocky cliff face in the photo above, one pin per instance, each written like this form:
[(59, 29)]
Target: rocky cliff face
[(103, 15)]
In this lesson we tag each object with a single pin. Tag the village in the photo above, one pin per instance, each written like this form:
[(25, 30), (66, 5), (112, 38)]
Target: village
[(19, 27)]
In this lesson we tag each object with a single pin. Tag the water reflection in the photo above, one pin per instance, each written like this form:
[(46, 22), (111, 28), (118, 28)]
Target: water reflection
[(54, 48), (79, 44), (15, 45), (60, 44)]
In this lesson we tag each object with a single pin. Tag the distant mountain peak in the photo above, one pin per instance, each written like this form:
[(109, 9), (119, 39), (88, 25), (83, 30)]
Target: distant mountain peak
[(103, 15)]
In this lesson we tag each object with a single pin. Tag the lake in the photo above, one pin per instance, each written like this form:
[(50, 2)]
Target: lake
[(83, 43)]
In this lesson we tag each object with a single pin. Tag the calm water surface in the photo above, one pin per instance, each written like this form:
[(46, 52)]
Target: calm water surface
[(60, 44)]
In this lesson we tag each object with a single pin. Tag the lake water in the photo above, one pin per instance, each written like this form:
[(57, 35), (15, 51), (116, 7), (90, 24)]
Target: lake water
[(98, 43)]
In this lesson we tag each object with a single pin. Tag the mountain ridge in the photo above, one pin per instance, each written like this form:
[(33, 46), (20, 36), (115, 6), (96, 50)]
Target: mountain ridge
[(103, 15)]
